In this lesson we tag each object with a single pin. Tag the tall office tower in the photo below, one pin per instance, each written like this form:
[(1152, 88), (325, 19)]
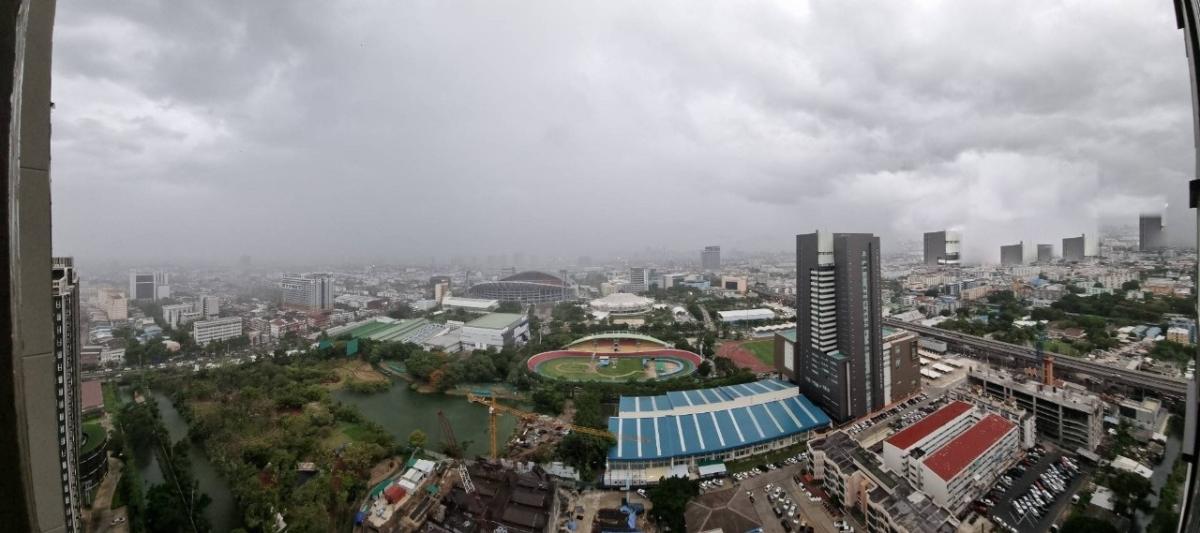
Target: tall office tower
[(149, 285), (67, 345), (1078, 248), (31, 488), (1012, 254), (208, 306), (942, 247), (1045, 253), (639, 278), (1151, 234), (839, 358), (710, 259), (313, 292), (439, 287)]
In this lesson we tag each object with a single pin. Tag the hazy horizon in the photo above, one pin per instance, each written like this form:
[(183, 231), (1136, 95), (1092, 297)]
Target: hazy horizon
[(189, 132)]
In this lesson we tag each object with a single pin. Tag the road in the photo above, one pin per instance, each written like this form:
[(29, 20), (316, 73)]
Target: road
[(1167, 386), (708, 322)]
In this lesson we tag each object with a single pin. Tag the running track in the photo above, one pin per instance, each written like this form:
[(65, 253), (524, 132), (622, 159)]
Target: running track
[(741, 356)]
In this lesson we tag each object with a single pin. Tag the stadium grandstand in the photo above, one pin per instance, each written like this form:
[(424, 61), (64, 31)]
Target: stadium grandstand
[(622, 303), (529, 287), (674, 433)]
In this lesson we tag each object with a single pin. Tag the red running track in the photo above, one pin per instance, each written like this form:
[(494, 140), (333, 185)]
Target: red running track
[(538, 359), (742, 357)]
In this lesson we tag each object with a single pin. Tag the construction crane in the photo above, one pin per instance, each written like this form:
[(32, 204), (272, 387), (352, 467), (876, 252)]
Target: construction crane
[(448, 438), (495, 409)]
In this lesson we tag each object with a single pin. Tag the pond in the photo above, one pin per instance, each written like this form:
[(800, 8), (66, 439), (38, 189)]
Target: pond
[(400, 410)]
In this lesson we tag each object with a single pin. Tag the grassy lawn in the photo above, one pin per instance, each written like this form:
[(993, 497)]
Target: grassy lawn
[(763, 350), (111, 403), (1055, 346), (579, 369), (93, 434)]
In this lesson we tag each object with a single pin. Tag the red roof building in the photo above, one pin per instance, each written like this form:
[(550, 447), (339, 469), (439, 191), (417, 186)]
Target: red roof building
[(393, 493), (917, 432), (950, 459)]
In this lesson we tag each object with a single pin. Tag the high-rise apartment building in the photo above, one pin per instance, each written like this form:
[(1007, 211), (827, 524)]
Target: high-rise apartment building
[(1012, 254), (839, 361), (710, 259), (1045, 253), (313, 292), (1151, 233), (942, 248), (1078, 248), (67, 345), (149, 285)]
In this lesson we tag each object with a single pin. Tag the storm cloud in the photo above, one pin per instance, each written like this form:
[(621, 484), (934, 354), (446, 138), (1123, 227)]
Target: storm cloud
[(304, 130)]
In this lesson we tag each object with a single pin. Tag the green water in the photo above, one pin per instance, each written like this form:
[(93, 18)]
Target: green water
[(222, 513), (400, 410)]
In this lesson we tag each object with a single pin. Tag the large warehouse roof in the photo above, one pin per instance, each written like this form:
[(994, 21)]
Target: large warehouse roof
[(705, 421)]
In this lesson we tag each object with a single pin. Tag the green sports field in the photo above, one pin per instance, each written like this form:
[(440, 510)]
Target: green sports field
[(579, 369), (763, 350)]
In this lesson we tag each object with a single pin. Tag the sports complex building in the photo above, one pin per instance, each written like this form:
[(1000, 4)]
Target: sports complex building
[(529, 287), (615, 357), (679, 432)]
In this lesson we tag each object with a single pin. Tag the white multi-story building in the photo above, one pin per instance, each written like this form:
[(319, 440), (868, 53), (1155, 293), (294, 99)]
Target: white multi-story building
[(149, 285), (114, 304), (172, 315), (969, 464), (310, 292), (206, 331), (67, 345), (903, 450), (209, 306), (496, 330)]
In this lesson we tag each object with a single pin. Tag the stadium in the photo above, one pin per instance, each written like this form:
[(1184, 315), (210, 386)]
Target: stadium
[(529, 287), (621, 303), (682, 433), (615, 357)]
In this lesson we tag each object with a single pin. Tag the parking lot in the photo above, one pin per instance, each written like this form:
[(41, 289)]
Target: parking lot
[(1021, 486), (808, 511)]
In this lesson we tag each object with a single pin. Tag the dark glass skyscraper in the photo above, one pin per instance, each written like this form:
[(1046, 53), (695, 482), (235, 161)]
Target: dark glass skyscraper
[(839, 358)]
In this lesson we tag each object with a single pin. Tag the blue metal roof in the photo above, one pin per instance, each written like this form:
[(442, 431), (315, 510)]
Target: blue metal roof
[(715, 428), (673, 399)]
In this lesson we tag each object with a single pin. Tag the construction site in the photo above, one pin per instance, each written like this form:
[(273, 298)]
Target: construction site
[(447, 493)]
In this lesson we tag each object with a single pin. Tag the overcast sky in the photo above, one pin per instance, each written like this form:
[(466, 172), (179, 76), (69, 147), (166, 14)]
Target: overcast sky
[(303, 130)]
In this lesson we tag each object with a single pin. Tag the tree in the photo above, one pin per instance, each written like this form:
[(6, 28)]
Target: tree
[(417, 439), (1131, 285), (705, 369), (1085, 524), (1129, 492), (670, 498), (931, 292)]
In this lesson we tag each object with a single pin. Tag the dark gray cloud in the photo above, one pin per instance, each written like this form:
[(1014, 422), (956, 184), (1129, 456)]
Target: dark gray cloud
[(304, 130)]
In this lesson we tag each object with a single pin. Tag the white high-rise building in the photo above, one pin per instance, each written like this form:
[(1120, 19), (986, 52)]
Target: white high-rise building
[(149, 285), (312, 292)]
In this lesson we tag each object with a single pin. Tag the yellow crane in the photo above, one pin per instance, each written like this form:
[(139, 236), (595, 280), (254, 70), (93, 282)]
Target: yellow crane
[(495, 409)]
